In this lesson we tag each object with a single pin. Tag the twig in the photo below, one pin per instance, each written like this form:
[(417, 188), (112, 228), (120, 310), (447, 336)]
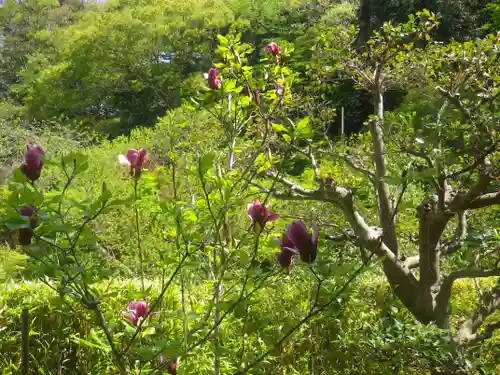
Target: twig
[(420, 154), (109, 337), (138, 234)]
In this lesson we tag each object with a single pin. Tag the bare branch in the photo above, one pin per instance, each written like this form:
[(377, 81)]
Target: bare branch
[(359, 168), (478, 287), (468, 332), (470, 167), (344, 237), (356, 69), (412, 262), (314, 164), (340, 197), (461, 231), (486, 334), (434, 216), (446, 248), (457, 242), (432, 223), (463, 201), (386, 216), (400, 277), (479, 160), (455, 99), (468, 273), (485, 200), (420, 154)]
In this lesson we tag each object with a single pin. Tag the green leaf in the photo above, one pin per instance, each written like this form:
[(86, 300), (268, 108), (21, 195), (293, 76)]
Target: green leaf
[(303, 129), (150, 331), (189, 215), (19, 176), (32, 197), (77, 161), (206, 162), (298, 312), (105, 194), (223, 41), (96, 342), (229, 85), (55, 198), (94, 207), (279, 128), (19, 222), (146, 353), (243, 257)]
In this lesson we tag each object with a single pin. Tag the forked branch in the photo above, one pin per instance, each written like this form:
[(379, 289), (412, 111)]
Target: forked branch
[(400, 277), (469, 331)]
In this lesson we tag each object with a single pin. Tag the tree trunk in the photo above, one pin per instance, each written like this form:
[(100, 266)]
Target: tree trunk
[(385, 210)]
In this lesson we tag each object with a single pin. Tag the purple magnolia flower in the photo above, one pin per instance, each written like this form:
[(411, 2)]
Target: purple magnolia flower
[(136, 160), (213, 80), (26, 234), (273, 48), (284, 257), (137, 310), (32, 166), (303, 241), (260, 214), (172, 366)]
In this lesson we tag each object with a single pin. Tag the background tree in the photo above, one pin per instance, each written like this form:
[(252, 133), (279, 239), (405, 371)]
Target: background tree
[(459, 20)]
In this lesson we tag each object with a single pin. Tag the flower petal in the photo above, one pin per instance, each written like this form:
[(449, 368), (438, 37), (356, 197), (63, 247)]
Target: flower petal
[(122, 159), (132, 156), (290, 249), (273, 217), (131, 317), (315, 236), (132, 305), (297, 233), (141, 308), (253, 209), (286, 242), (257, 212), (142, 158), (27, 211), (284, 258), (212, 73)]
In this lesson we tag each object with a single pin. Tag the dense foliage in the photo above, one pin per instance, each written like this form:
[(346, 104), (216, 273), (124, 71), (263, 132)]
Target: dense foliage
[(233, 187)]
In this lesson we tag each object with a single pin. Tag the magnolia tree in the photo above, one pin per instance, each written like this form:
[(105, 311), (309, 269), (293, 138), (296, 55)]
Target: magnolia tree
[(204, 242), (449, 156), (445, 154)]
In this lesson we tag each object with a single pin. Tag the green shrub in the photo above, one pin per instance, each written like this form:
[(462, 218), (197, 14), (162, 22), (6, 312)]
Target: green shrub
[(367, 332)]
